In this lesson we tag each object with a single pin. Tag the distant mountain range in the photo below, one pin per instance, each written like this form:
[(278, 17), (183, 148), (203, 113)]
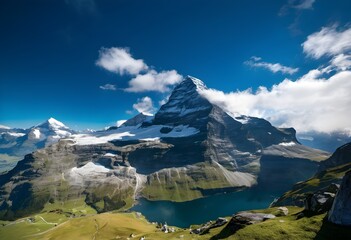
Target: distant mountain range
[(15, 143), (190, 148)]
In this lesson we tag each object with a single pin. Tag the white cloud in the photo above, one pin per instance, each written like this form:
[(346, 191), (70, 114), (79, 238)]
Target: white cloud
[(341, 62), (311, 103), (329, 41), (120, 122), (273, 67), (108, 87), (145, 106), (120, 61), (154, 81)]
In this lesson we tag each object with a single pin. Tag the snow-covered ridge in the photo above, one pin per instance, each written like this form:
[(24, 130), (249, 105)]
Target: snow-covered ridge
[(56, 124), (151, 133), (14, 134)]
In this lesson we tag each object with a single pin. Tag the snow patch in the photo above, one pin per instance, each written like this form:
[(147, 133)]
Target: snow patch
[(16, 134), (110, 155), (89, 169), (36, 133), (120, 122), (287, 144), (151, 133), (56, 124)]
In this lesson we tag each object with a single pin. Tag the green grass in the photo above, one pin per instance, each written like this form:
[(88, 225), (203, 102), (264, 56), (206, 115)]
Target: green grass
[(122, 225)]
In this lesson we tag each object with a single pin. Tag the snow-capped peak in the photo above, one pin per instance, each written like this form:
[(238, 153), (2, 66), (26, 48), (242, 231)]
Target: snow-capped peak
[(200, 85), (56, 124)]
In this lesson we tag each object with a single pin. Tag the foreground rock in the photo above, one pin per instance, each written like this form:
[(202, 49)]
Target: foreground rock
[(340, 212), (206, 227), (243, 219), (282, 211), (322, 200)]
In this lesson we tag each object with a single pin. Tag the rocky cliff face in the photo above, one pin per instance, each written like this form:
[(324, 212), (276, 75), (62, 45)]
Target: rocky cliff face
[(189, 149), (340, 212), (341, 156)]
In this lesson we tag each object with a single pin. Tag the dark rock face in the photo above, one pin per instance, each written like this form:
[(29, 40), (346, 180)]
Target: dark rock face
[(319, 202), (340, 212), (138, 119), (241, 220), (185, 106), (341, 156)]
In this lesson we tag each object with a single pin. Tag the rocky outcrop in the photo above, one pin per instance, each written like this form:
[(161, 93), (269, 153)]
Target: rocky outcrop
[(319, 202), (241, 220), (282, 211), (340, 212), (138, 119), (209, 225)]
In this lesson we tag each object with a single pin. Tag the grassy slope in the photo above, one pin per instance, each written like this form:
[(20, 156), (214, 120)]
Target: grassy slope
[(122, 225)]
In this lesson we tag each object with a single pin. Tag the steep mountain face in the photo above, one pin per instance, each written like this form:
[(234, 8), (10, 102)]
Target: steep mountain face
[(191, 148), (340, 157), (15, 143)]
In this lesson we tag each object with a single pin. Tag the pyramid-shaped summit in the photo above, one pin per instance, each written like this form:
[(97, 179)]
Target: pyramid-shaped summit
[(185, 105)]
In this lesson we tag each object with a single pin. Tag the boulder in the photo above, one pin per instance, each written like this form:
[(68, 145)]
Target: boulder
[(340, 212), (322, 200), (319, 202), (207, 226), (282, 211), (242, 219)]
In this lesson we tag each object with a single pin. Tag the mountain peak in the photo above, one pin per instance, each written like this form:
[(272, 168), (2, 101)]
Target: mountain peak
[(185, 105), (52, 123), (136, 120), (191, 82), (56, 124)]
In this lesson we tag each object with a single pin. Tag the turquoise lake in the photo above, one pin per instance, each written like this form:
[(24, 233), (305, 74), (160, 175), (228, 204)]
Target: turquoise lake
[(275, 178)]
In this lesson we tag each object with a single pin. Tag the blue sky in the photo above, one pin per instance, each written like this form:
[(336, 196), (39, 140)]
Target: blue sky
[(50, 52)]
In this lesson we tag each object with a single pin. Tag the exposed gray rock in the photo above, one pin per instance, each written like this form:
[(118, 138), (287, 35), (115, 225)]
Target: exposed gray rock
[(319, 202), (138, 119), (242, 219), (340, 212), (282, 211), (207, 226)]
